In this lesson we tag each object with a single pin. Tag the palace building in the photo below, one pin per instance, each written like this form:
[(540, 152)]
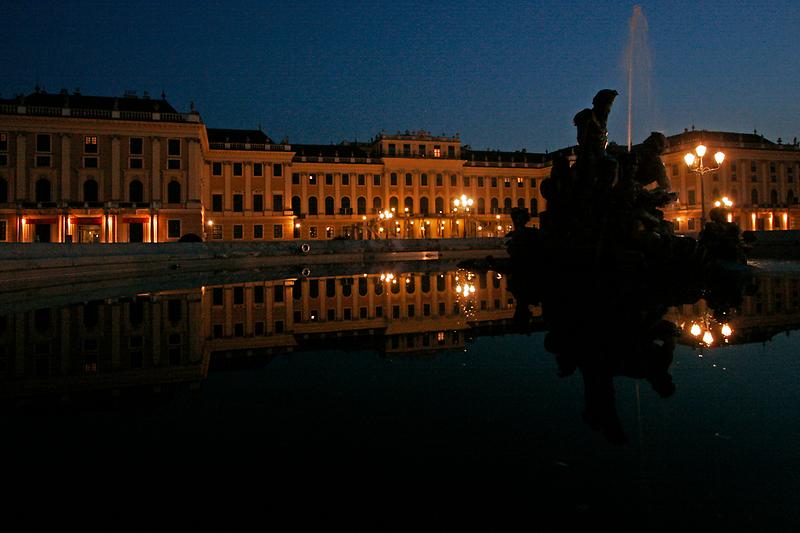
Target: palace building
[(86, 169)]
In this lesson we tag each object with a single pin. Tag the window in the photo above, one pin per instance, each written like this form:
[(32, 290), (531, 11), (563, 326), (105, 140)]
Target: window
[(329, 179), (238, 232), (393, 179), (3, 141), (217, 296), (437, 151), (406, 149), (453, 180), (345, 179), (312, 232), (3, 230), (520, 182), (423, 180), (89, 144), (42, 160), (409, 180), (329, 205), (174, 229), (451, 152), (376, 180), (258, 294), (295, 178), (494, 182), (238, 203), (238, 296), (216, 202), (258, 231), (135, 162), (258, 202), (237, 169), (362, 180), (691, 200), (43, 190), (90, 191), (174, 153), (277, 294), (216, 232), (466, 181), (3, 190), (277, 231), (392, 149), (533, 183), (312, 179), (296, 209), (277, 202), (422, 150), (277, 170), (43, 142), (506, 182), (258, 328), (258, 169), (174, 192), (439, 180), (90, 162), (329, 232), (216, 169)]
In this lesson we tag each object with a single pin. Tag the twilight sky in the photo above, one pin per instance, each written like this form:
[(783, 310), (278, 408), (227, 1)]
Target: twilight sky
[(505, 75)]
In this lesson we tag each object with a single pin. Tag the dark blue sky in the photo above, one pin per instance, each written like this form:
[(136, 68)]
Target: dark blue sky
[(503, 74)]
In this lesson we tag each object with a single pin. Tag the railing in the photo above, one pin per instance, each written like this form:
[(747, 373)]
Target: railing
[(250, 147), (13, 109)]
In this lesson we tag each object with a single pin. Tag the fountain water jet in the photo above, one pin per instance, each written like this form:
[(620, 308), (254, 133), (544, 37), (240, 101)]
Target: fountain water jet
[(638, 64)]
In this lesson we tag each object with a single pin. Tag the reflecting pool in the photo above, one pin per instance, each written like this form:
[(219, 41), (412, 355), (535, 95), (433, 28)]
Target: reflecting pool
[(419, 378)]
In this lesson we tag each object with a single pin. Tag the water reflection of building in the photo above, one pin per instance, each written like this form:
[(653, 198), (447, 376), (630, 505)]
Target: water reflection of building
[(414, 312), (773, 307), (146, 340)]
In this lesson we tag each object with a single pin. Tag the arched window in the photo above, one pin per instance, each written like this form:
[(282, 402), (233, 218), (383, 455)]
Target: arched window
[(174, 192), (423, 205), (361, 205), (495, 205), (408, 203), (89, 191), (439, 204), (345, 202), (507, 204), (754, 197), (43, 190), (296, 209), (773, 197), (328, 205), (3, 191), (521, 203), (790, 198), (393, 204), (312, 205), (377, 204), (136, 191), (481, 206), (534, 207)]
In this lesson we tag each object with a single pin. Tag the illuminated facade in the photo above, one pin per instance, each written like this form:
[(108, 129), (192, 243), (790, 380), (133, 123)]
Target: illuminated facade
[(759, 176), (77, 168)]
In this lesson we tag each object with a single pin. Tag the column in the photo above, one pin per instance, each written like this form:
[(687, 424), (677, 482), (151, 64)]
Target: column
[(247, 168), (227, 200), (18, 188), (116, 178), (155, 192), (194, 171), (65, 167)]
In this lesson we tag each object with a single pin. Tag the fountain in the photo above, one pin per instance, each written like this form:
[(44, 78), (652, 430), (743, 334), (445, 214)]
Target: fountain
[(637, 66)]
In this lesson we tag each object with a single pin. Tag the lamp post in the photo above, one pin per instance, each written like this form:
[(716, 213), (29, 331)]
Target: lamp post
[(696, 165), (465, 203)]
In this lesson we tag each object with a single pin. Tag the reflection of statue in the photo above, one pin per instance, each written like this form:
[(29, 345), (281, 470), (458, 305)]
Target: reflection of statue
[(721, 238)]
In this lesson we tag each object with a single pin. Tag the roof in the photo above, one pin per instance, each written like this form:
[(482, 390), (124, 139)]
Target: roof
[(110, 103), (498, 156), (228, 135), (726, 138)]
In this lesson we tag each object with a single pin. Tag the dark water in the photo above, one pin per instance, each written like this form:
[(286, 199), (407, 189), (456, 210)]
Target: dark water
[(209, 391)]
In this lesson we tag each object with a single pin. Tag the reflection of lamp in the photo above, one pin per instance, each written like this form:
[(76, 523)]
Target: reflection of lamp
[(695, 165)]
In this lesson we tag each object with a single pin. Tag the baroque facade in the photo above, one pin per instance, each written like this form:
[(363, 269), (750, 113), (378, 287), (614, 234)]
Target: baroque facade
[(76, 168)]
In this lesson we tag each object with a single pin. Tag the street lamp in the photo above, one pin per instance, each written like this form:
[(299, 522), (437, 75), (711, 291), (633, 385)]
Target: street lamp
[(696, 165), (465, 203)]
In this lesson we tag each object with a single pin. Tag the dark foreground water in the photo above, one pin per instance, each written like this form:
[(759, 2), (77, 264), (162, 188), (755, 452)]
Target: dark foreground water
[(392, 397)]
